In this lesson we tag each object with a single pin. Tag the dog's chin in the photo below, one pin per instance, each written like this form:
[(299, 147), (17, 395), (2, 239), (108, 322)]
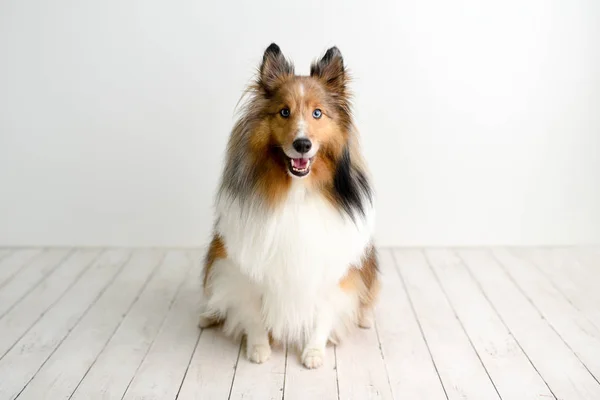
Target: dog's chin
[(299, 167)]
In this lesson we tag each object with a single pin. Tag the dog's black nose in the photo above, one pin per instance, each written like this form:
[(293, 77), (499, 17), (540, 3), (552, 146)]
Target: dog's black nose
[(302, 145)]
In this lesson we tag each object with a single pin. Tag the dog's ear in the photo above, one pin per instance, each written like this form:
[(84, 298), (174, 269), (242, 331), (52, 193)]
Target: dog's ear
[(330, 70), (274, 68)]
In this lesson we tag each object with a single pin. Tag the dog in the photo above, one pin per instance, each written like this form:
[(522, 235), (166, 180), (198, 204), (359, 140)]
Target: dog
[(292, 257)]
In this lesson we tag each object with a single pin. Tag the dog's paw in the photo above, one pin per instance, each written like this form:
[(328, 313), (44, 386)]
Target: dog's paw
[(258, 353), (312, 358)]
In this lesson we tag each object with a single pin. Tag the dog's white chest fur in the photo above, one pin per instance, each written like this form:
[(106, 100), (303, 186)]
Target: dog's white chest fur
[(305, 239), (294, 254)]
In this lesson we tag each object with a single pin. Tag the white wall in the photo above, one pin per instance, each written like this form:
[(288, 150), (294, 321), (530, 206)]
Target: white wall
[(480, 119)]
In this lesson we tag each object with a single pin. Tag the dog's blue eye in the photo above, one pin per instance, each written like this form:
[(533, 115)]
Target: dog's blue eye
[(317, 113), (285, 112)]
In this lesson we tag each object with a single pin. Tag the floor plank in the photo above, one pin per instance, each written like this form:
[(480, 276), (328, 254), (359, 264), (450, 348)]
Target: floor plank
[(574, 328), (206, 379), (302, 383), (93, 324), (445, 336), (22, 317), (29, 277), (573, 272), (361, 370), (60, 375), (259, 381), (119, 360), (411, 369), (22, 362), (11, 264), (162, 372), (511, 371), (561, 369)]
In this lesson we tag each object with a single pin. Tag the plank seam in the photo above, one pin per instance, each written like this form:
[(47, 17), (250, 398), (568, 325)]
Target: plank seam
[(117, 327), (189, 363), (520, 289), (77, 279), (235, 370), (76, 323), (26, 264), (414, 312), (443, 289), (337, 378), (162, 324), (59, 264), (387, 372), (284, 373), (480, 287)]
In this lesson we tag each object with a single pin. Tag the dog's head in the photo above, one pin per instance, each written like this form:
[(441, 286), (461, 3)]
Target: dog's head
[(307, 117), (297, 128)]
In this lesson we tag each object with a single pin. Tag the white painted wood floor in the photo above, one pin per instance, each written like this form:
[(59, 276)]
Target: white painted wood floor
[(451, 324)]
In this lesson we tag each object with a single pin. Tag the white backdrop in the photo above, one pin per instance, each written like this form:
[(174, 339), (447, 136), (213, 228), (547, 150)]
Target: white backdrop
[(480, 119)]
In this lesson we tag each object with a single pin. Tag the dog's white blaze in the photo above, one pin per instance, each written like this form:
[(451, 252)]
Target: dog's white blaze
[(302, 125), (285, 264), (301, 128)]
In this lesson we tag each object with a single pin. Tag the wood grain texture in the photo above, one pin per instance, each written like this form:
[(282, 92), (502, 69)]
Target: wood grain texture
[(63, 372), (28, 311), (259, 381), (164, 367), (30, 353), (411, 369), (567, 378), (573, 272), (446, 338), (302, 383), (11, 263), (511, 371), (122, 355), (361, 369), (29, 277), (450, 324), (573, 327), (212, 367)]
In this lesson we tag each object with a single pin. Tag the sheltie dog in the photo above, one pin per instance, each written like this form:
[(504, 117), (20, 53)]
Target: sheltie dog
[(292, 258)]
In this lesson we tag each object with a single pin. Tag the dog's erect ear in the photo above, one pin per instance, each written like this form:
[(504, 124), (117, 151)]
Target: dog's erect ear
[(274, 68), (330, 69)]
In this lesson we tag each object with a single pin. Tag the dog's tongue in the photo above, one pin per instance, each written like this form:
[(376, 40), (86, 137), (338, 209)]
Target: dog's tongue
[(299, 163)]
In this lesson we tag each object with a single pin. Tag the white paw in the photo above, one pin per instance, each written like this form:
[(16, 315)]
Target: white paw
[(258, 353), (312, 358)]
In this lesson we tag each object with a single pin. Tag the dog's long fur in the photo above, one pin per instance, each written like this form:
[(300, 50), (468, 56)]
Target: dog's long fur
[(292, 257)]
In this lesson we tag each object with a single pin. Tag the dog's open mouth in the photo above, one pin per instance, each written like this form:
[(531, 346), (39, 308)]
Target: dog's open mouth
[(299, 166)]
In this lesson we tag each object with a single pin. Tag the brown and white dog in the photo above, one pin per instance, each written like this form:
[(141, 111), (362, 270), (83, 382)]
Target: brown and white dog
[(292, 258)]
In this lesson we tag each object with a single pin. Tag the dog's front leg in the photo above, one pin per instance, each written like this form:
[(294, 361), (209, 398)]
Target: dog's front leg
[(313, 353), (258, 349)]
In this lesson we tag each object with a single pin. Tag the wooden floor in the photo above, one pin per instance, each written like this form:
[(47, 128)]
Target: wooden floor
[(451, 324)]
